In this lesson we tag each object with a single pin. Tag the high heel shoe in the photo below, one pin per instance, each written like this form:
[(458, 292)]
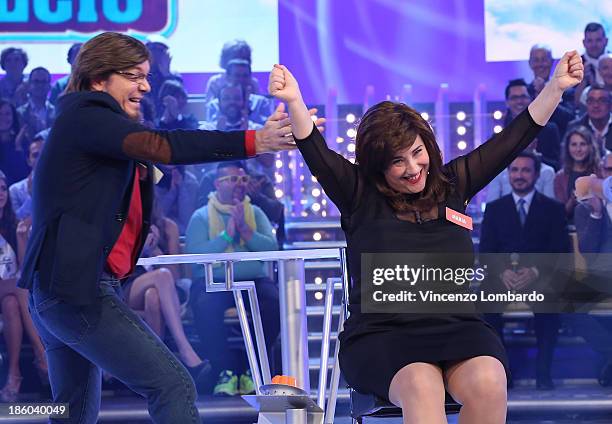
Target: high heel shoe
[(200, 371), (10, 391), (43, 371)]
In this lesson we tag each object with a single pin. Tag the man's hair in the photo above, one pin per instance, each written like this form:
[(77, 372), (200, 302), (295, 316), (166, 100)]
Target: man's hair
[(519, 82), (9, 51), (235, 49), (535, 157), (38, 69), (101, 56), (595, 87), (231, 164), (73, 51), (594, 26)]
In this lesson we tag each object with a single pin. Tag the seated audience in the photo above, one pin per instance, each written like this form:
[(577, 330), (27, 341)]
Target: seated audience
[(60, 85), (21, 191), (235, 49), (173, 101), (38, 113), (12, 156), (257, 108), (233, 113), (230, 223), (177, 195), (13, 61), (160, 69), (540, 62), (153, 291), (580, 158), (517, 100), (598, 117), (526, 222), (13, 300)]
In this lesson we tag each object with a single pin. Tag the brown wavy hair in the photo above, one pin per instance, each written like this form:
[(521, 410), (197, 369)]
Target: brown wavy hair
[(593, 159), (386, 129), (101, 56)]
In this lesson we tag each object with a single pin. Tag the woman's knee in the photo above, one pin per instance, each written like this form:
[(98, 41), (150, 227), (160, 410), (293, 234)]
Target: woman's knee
[(484, 385), (151, 300), (163, 278), (417, 382)]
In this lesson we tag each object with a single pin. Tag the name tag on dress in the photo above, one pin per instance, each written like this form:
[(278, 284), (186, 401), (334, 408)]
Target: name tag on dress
[(459, 219)]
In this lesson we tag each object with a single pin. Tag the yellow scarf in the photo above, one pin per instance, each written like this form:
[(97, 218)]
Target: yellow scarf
[(216, 223)]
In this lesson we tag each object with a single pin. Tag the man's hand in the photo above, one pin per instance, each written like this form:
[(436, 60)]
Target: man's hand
[(569, 71), (171, 109), (509, 278), (177, 178), (525, 276), (276, 133), (595, 205), (230, 228), (241, 226)]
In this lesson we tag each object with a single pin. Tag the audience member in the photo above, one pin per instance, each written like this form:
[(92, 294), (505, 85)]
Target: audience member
[(540, 62), (233, 113), (500, 186), (598, 117), (230, 223), (153, 291), (13, 300), (60, 84), (21, 191), (12, 157), (173, 100), (13, 61), (580, 158), (38, 113), (235, 49), (177, 195), (548, 141), (160, 68), (257, 107), (526, 222), (595, 43)]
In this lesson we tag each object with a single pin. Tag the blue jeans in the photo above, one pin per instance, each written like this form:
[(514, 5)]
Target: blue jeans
[(81, 340)]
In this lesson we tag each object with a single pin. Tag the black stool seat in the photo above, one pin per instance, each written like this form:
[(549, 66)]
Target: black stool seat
[(367, 405)]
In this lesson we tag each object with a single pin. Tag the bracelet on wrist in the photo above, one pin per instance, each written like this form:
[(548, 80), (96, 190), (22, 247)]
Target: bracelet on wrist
[(225, 236)]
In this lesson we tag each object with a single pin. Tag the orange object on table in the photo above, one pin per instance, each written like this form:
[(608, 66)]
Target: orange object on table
[(284, 379)]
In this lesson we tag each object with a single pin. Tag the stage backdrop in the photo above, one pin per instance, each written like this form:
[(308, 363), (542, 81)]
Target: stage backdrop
[(326, 43)]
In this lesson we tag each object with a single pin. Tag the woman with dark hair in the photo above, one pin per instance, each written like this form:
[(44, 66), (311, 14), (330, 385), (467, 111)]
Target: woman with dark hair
[(580, 158), (92, 195), (13, 300), (394, 200), (13, 161)]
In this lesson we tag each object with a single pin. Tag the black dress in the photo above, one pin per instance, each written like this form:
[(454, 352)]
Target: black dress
[(374, 347)]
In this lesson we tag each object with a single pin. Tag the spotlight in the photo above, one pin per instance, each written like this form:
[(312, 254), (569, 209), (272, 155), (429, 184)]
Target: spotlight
[(318, 280), (316, 207), (316, 236), (316, 192), (318, 295), (339, 140), (461, 145), (279, 178), (425, 116), (350, 118), (351, 133), (279, 163), (497, 114), (351, 147), (278, 193), (497, 129), (461, 116), (461, 130)]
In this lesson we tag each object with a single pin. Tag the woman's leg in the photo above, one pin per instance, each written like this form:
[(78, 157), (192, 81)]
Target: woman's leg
[(479, 384), (418, 389), (162, 280), (152, 311), (30, 329), (13, 334)]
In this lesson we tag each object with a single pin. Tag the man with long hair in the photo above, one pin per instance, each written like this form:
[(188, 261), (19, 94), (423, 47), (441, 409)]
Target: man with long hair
[(92, 201)]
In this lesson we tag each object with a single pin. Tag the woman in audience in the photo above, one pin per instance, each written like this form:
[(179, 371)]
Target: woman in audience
[(12, 154), (235, 49), (153, 291), (580, 158), (13, 300)]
